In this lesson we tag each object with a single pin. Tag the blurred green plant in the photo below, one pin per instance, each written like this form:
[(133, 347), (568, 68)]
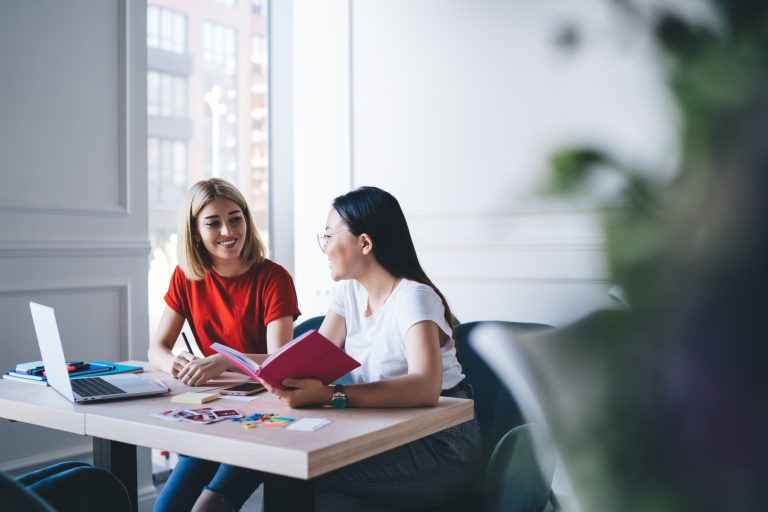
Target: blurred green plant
[(658, 435), (713, 74)]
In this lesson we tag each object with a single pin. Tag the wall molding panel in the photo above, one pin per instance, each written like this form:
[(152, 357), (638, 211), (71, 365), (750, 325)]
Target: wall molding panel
[(546, 267), (69, 249), (74, 287), (75, 249), (73, 200), (122, 207)]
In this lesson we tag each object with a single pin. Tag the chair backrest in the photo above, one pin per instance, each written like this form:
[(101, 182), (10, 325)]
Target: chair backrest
[(15, 497), (519, 475), (495, 409), (63, 486), (307, 325)]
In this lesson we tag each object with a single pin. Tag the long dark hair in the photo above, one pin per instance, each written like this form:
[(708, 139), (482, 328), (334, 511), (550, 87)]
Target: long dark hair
[(377, 213)]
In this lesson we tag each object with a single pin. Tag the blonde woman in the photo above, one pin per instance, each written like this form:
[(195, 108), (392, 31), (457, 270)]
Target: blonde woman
[(228, 292)]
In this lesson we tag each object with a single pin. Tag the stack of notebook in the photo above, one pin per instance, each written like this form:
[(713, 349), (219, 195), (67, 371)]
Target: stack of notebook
[(34, 372)]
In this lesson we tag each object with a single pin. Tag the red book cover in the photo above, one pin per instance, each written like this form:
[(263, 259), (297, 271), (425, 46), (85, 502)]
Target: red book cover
[(311, 355)]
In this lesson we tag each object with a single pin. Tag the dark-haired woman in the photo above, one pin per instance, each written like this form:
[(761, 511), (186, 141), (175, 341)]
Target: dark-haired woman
[(388, 315)]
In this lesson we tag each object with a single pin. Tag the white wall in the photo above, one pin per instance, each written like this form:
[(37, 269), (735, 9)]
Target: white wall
[(321, 137), (454, 106), (73, 201)]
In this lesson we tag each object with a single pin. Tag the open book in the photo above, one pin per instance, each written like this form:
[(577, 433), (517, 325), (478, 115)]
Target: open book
[(311, 355)]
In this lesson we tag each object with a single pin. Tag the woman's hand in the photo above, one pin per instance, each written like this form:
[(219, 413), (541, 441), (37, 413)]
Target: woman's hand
[(302, 392), (181, 360), (198, 371)]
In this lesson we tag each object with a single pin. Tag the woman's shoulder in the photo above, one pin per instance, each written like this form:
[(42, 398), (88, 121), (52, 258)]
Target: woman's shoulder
[(268, 268), (347, 289), (412, 295), (179, 275), (408, 288)]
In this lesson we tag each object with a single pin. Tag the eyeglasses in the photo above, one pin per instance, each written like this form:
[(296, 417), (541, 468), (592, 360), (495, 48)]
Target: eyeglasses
[(323, 239)]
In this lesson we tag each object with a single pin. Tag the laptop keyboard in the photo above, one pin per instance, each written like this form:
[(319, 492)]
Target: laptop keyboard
[(94, 386)]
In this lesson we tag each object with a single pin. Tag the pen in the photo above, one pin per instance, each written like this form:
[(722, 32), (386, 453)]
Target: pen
[(186, 342)]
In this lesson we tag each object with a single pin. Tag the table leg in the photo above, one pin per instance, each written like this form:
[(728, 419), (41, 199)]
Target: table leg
[(285, 493), (119, 459)]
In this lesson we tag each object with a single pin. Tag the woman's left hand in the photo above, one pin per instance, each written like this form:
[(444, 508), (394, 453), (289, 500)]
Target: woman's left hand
[(302, 392)]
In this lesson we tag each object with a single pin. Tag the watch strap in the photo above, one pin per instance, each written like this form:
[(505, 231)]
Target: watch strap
[(339, 398)]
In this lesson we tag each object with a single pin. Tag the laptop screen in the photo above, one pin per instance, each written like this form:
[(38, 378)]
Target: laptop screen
[(51, 350)]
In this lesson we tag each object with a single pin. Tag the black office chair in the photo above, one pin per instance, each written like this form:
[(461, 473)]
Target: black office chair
[(307, 325), (64, 487), (14, 497), (519, 477), (495, 409)]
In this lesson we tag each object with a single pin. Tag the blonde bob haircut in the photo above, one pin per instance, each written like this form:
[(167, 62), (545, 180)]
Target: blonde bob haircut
[(194, 259)]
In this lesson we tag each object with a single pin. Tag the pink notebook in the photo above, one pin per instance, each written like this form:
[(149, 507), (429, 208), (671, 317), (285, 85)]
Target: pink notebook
[(311, 355)]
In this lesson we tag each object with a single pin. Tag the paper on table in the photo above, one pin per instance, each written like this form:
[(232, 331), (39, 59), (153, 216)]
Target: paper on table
[(308, 424), (240, 398)]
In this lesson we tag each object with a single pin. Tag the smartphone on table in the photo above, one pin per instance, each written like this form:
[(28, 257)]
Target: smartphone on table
[(243, 389)]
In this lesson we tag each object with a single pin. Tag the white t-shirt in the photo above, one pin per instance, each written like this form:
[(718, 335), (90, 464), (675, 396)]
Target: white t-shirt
[(378, 341)]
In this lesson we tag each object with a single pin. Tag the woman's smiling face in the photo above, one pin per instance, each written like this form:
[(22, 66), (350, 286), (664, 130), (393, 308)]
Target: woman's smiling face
[(342, 248), (222, 229)]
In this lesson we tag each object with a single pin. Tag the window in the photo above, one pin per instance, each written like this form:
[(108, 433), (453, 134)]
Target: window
[(221, 128), (167, 166), (258, 52), (259, 7), (228, 3), (166, 30), (219, 46), (166, 95), (258, 48), (221, 98), (219, 110)]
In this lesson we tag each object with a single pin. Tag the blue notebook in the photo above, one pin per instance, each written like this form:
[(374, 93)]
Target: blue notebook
[(109, 369), (97, 369)]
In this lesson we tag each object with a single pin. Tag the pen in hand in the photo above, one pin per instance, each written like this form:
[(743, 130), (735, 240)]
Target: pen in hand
[(186, 342)]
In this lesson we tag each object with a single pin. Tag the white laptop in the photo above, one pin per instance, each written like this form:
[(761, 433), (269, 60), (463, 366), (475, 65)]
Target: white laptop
[(86, 389)]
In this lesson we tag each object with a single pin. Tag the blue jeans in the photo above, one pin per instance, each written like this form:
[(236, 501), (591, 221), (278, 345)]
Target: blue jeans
[(192, 475)]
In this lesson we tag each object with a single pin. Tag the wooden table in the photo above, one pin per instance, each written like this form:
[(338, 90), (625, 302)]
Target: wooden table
[(294, 458)]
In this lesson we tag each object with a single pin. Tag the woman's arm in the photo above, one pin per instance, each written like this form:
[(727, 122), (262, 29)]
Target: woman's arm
[(334, 328), (189, 369), (159, 353), (198, 371), (420, 387), (279, 332)]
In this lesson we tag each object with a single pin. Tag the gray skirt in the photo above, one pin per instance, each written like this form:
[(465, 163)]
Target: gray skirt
[(424, 473)]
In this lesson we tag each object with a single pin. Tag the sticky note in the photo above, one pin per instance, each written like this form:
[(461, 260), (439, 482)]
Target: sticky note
[(194, 398), (309, 424)]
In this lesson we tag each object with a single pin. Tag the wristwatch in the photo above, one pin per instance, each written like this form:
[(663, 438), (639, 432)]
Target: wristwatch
[(339, 398)]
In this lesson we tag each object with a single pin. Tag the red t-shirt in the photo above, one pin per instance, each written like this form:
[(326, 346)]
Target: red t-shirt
[(234, 311)]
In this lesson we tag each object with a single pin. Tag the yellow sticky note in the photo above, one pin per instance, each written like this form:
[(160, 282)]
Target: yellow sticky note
[(194, 398)]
